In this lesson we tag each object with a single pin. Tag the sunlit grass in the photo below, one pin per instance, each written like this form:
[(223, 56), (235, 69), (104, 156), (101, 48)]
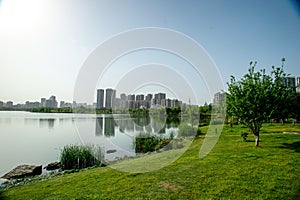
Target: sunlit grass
[(234, 169)]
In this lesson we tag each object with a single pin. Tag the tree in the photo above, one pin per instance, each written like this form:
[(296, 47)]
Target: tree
[(258, 97)]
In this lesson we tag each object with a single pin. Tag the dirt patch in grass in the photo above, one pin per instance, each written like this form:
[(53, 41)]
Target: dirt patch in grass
[(168, 186)]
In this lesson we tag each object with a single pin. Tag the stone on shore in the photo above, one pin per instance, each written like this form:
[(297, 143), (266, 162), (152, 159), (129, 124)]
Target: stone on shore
[(52, 166), (3, 181), (22, 171), (111, 151)]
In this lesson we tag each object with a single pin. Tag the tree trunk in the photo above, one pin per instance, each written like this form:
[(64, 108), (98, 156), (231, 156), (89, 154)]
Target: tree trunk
[(256, 140)]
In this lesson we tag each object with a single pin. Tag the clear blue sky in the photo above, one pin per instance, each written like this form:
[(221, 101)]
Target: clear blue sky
[(43, 44)]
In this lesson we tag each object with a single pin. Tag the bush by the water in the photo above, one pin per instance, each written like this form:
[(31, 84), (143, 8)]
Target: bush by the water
[(185, 130), (146, 142), (79, 157)]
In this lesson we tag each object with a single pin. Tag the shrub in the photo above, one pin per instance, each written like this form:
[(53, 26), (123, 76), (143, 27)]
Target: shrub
[(198, 133), (185, 130), (146, 142), (79, 157)]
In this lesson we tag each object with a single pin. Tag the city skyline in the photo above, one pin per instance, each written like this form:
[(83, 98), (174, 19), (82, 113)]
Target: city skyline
[(101, 101)]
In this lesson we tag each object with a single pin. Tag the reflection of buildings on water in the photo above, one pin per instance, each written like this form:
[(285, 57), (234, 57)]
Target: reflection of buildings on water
[(30, 121), (47, 122), (109, 126), (99, 126), (106, 126)]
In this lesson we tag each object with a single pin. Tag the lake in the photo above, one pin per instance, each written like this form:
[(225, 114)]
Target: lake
[(37, 138)]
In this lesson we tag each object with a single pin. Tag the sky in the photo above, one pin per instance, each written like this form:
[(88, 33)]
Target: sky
[(44, 44)]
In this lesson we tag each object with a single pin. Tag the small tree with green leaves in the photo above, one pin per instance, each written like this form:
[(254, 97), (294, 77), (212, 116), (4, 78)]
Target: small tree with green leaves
[(258, 97)]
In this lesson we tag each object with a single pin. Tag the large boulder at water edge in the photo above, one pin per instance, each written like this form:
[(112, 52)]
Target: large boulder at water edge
[(23, 170), (53, 166)]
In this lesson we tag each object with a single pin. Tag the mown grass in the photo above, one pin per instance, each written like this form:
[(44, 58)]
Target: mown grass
[(234, 169)]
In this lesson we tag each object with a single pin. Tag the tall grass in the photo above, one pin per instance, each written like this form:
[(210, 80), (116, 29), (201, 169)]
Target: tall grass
[(79, 157)]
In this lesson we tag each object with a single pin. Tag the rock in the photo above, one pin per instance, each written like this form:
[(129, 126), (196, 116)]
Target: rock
[(52, 166), (22, 171), (3, 181), (111, 151)]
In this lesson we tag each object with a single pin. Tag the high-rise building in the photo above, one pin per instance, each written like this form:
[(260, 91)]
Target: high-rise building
[(140, 97), (43, 102), (158, 97), (169, 103), (289, 82), (149, 97), (131, 97), (53, 102), (100, 98), (61, 104), (298, 84), (219, 98), (123, 96), (113, 99), (9, 104), (110, 97)]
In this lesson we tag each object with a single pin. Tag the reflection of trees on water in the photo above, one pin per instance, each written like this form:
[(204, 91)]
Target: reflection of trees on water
[(142, 121), (148, 129), (125, 124)]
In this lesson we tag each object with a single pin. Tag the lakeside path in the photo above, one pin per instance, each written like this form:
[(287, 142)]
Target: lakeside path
[(233, 170)]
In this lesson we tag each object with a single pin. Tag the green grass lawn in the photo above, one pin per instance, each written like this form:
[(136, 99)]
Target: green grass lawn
[(233, 170)]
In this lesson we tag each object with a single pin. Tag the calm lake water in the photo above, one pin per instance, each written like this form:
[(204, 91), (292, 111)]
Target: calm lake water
[(37, 138)]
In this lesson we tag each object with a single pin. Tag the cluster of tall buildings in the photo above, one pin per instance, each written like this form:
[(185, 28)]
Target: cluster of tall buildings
[(8, 104), (51, 103), (107, 99)]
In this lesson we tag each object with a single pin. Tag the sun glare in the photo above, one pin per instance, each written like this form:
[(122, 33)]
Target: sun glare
[(19, 17)]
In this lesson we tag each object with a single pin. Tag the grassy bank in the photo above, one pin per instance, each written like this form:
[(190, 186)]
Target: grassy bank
[(233, 170)]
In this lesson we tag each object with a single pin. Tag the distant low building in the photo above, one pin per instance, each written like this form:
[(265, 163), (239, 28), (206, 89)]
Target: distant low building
[(63, 104), (9, 104), (29, 104)]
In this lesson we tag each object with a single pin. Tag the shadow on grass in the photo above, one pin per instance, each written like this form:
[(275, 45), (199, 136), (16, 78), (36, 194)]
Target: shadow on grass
[(293, 146), (253, 141), (297, 196), (2, 195)]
